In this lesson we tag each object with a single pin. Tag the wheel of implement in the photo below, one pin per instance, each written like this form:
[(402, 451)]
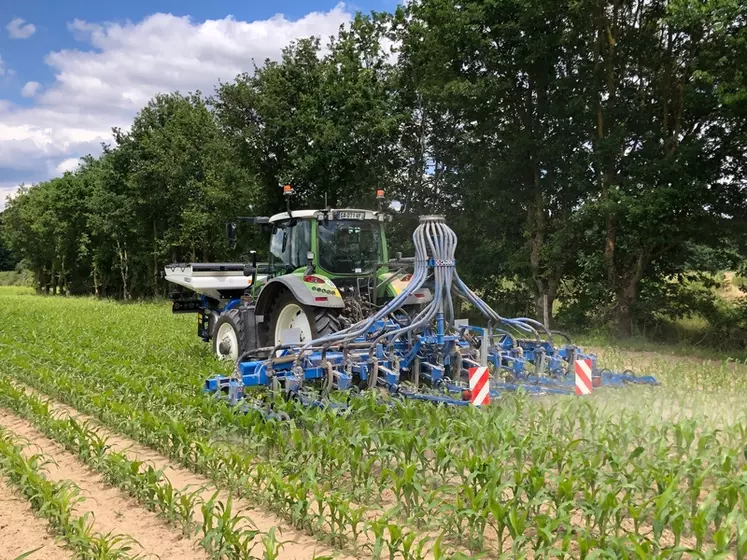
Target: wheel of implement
[(313, 322), (228, 338)]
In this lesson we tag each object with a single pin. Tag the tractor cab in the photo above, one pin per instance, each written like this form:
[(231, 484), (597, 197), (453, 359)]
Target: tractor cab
[(347, 242), (326, 269), (341, 253)]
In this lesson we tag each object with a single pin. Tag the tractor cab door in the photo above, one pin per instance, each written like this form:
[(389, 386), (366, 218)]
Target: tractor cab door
[(289, 244)]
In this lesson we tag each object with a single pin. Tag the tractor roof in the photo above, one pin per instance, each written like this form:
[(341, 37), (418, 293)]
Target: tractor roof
[(334, 214)]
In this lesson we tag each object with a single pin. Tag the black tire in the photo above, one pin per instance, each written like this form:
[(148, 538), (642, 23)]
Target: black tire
[(322, 320), (223, 347), (327, 321)]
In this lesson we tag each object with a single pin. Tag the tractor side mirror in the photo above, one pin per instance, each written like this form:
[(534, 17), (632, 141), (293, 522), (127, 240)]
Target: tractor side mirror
[(309, 262), (231, 234)]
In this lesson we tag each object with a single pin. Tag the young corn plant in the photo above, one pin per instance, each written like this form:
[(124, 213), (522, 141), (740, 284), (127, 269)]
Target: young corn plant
[(224, 533), (56, 502)]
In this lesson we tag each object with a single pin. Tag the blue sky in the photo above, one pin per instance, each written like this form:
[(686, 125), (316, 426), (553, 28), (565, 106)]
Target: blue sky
[(70, 70)]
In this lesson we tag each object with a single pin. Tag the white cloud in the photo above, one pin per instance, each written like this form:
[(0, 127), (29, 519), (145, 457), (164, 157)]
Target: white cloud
[(2, 66), (30, 89), (69, 164), (7, 190), (122, 66), (18, 28)]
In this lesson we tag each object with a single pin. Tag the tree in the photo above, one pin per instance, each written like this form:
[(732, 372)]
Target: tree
[(669, 131), (29, 231), (320, 123), (8, 260), (183, 180), (495, 83)]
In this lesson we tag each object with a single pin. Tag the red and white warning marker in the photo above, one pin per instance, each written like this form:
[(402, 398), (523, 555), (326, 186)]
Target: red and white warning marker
[(583, 377), (479, 385)]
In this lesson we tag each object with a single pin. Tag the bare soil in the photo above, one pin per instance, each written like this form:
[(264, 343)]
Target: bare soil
[(112, 509), (301, 545), (21, 531)]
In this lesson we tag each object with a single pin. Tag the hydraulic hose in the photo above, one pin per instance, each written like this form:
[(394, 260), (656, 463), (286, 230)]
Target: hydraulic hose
[(435, 248)]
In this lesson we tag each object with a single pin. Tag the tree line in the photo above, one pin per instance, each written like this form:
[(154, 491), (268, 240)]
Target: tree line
[(590, 152)]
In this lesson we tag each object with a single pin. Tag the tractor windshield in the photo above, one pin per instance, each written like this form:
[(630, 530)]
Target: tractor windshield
[(349, 246)]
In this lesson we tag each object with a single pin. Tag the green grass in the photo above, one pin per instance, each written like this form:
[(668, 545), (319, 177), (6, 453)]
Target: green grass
[(16, 291), (639, 472)]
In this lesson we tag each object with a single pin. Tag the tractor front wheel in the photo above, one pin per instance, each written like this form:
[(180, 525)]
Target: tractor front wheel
[(313, 322), (228, 336)]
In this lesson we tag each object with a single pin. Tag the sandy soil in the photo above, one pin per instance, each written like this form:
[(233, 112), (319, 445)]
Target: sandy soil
[(112, 509), (21, 531), (301, 547)]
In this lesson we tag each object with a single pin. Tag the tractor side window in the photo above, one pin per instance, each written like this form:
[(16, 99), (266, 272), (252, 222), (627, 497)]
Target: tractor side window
[(279, 245), (289, 244), (301, 243)]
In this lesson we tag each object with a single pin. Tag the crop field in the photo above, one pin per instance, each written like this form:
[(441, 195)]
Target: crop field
[(109, 449)]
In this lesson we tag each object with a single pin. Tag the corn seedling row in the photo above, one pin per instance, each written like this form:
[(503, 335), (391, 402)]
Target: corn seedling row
[(146, 484), (56, 502), (224, 465)]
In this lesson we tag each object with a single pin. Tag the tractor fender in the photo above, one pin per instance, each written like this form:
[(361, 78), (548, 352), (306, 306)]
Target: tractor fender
[(299, 290)]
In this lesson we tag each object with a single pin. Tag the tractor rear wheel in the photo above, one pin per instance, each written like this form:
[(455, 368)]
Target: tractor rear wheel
[(228, 336), (288, 313)]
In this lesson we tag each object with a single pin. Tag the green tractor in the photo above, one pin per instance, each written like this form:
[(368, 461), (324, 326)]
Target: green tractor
[(327, 269)]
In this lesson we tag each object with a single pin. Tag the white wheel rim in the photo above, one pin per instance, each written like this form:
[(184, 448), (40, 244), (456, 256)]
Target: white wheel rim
[(292, 317), (227, 335)]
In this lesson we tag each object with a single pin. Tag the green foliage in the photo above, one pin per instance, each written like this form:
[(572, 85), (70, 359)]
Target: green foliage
[(222, 533), (585, 151), (27, 553), (16, 278), (326, 124), (163, 193), (8, 260)]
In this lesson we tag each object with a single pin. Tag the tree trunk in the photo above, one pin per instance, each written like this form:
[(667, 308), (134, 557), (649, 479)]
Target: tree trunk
[(41, 280), (539, 306), (155, 259), (96, 280), (123, 269), (546, 288), (624, 303), (626, 295), (546, 278), (64, 289), (610, 243)]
